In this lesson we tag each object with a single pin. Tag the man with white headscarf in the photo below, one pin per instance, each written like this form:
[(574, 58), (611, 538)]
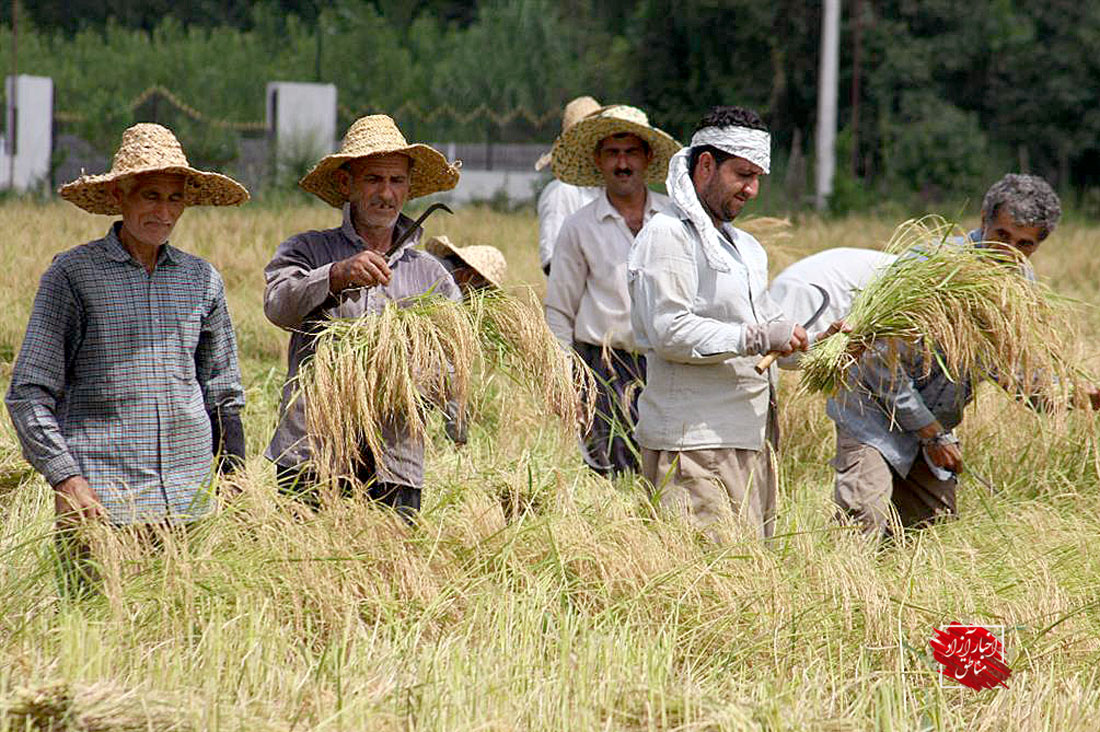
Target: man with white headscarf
[(701, 310)]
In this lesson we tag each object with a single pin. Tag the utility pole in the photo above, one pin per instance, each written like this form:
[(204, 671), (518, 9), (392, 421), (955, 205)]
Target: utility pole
[(14, 101), (825, 152)]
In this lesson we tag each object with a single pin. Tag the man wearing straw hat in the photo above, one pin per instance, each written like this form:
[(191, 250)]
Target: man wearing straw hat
[(474, 268), (587, 301), (349, 271), (701, 311), (127, 382), (558, 199)]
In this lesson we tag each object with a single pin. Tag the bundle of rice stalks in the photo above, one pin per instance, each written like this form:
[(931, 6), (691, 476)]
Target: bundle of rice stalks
[(516, 340), (372, 375), (967, 308)]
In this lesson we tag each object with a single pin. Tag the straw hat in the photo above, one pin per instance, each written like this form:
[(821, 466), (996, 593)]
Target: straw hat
[(377, 134), (574, 112), (573, 150), (486, 259), (151, 148)]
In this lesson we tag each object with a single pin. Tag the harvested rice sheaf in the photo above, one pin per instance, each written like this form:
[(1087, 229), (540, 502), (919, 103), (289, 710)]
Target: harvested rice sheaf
[(967, 308), (374, 373)]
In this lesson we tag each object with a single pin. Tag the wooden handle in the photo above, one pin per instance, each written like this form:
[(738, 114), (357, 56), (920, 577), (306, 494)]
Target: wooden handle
[(763, 364)]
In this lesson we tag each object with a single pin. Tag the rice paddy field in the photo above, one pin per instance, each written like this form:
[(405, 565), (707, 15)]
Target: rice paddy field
[(534, 595)]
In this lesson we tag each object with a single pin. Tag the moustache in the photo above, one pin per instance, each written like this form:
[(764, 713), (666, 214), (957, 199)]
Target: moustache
[(623, 171)]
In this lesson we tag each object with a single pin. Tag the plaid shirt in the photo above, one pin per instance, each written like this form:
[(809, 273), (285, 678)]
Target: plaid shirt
[(297, 298), (117, 375)]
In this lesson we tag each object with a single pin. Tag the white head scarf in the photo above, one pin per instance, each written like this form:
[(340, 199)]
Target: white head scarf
[(752, 145)]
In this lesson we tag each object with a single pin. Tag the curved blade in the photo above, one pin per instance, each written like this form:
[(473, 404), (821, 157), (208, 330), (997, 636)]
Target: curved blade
[(820, 310), (416, 225)]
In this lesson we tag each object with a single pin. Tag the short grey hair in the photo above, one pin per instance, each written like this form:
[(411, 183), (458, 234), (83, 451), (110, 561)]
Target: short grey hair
[(1029, 199)]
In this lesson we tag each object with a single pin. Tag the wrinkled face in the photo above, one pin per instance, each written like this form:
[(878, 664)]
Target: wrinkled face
[(726, 189), (151, 206), (1012, 237), (377, 188), (623, 160)]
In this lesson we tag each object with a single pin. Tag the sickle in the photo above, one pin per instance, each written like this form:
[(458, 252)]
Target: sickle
[(416, 225), (763, 364)]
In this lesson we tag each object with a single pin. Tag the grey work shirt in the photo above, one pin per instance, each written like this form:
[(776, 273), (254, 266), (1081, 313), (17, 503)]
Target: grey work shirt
[(297, 298)]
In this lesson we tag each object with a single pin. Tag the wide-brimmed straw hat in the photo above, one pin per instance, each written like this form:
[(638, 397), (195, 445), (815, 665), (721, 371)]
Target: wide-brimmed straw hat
[(575, 111), (486, 259), (151, 148), (575, 148), (377, 134)]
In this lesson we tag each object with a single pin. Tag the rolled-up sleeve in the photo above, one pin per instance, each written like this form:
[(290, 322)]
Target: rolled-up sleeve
[(886, 380), (39, 378), (565, 288), (216, 366), (295, 288), (664, 281)]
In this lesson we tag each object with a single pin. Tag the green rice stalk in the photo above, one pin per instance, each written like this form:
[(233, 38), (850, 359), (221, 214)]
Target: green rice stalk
[(967, 309), (372, 375)]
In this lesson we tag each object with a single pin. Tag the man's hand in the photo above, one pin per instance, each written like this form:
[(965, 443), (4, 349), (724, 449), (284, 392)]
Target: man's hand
[(837, 326), (75, 501), (800, 341), (1093, 392), (948, 457), (364, 269)]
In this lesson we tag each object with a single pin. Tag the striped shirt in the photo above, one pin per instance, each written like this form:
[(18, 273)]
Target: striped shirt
[(117, 375), (297, 298)]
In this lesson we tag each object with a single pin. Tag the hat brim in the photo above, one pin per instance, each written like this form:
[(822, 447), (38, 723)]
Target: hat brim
[(431, 173), (545, 159), (93, 192), (441, 247), (574, 150)]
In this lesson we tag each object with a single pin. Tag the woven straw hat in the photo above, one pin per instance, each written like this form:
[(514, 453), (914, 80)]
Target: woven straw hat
[(573, 150), (377, 134), (574, 112), (486, 259), (151, 148)]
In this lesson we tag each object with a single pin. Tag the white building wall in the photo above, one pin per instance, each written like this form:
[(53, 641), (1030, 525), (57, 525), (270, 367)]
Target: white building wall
[(29, 112), (302, 118)]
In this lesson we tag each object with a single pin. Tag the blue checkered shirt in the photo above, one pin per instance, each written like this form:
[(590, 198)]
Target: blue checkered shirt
[(118, 373)]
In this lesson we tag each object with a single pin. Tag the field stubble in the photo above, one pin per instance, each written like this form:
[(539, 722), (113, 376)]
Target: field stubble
[(534, 595)]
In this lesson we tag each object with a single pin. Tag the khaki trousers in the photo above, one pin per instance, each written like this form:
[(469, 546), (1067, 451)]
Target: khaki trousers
[(711, 485), (871, 492)]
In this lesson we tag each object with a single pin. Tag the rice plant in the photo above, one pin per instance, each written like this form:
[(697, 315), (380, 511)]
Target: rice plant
[(380, 373), (967, 308)]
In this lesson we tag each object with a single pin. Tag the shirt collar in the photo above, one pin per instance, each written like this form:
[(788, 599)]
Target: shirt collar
[(604, 209), (117, 252), (403, 223)]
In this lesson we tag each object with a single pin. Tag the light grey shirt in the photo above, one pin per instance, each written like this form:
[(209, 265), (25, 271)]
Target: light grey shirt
[(690, 309), (557, 202), (297, 298), (587, 298)]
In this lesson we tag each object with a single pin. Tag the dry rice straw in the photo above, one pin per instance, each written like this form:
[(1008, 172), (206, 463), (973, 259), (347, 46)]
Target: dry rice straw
[(372, 375)]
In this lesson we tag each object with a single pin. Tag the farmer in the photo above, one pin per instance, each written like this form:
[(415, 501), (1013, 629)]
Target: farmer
[(127, 382), (475, 268), (896, 451), (347, 272), (558, 199), (701, 311), (587, 301), (842, 272)]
